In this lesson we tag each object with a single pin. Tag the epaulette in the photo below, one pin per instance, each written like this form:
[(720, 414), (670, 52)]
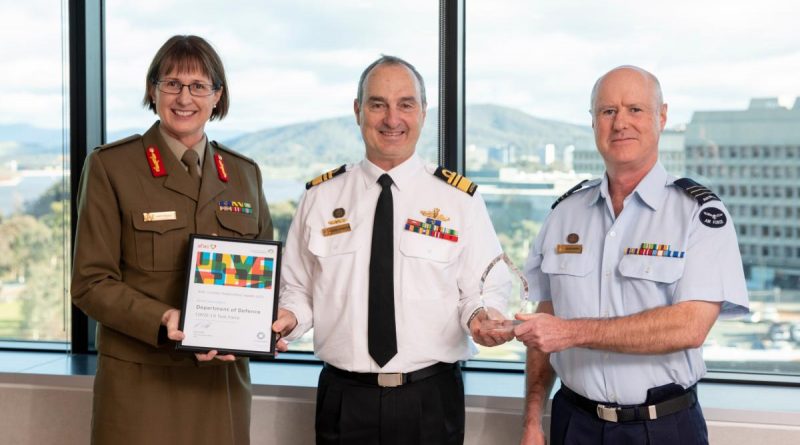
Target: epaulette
[(696, 191), (119, 142), (456, 180), (579, 186), (326, 176), (221, 147)]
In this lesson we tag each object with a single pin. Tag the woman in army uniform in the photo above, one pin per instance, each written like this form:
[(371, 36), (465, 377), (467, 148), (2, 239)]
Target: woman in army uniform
[(140, 199)]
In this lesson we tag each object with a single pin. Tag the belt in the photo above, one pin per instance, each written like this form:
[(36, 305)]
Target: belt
[(392, 379), (631, 413)]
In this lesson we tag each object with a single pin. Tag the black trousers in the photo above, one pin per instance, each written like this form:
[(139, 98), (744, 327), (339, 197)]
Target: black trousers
[(571, 425), (430, 411)]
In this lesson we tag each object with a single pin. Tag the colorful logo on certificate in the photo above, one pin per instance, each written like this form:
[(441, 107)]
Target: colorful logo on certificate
[(224, 269)]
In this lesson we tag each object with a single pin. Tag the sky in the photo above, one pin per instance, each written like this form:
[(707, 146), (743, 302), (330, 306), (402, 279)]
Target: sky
[(293, 61)]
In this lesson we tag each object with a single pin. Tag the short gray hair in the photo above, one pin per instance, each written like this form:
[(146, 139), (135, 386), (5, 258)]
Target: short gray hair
[(659, 97), (390, 60)]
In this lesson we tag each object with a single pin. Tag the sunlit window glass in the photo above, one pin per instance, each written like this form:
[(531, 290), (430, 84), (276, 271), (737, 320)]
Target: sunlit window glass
[(732, 126)]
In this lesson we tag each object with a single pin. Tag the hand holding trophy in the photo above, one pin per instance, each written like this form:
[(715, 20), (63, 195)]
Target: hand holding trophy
[(495, 322)]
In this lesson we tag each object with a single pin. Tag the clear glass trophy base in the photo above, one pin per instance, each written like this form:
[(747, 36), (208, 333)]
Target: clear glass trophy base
[(499, 325)]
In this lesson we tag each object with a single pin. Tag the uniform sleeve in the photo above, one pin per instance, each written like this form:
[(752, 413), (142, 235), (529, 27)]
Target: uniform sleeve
[(713, 266), (538, 281), (296, 273), (482, 247), (97, 286), (265, 230)]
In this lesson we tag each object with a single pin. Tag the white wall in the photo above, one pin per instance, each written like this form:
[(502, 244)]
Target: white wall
[(42, 409)]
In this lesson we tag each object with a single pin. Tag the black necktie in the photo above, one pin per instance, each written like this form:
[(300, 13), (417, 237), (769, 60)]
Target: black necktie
[(381, 335), (191, 159)]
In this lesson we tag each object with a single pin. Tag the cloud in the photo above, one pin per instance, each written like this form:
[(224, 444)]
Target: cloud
[(300, 60)]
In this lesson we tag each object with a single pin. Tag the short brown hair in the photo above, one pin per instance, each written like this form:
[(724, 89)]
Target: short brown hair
[(188, 53)]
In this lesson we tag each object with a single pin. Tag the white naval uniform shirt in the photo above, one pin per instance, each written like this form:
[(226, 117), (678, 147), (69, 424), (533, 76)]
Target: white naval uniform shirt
[(436, 281), (603, 281)]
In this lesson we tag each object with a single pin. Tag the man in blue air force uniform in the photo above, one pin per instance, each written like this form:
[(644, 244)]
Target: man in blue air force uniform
[(631, 271), (384, 259)]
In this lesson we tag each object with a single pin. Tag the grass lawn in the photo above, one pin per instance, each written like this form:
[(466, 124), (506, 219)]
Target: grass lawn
[(10, 318)]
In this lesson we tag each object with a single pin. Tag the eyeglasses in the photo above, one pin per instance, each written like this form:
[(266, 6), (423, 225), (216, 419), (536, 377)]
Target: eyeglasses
[(197, 89)]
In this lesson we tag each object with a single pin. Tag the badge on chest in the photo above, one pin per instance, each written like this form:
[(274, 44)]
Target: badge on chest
[(432, 226), (338, 224)]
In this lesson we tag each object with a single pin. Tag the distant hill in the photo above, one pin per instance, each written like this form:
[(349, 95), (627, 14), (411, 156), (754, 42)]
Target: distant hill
[(494, 125), (305, 148), (338, 140)]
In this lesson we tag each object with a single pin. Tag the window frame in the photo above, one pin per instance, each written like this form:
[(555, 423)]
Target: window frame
[(86, 22)]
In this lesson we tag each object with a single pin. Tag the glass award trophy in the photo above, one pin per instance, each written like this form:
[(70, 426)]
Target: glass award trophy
[(525, 304)]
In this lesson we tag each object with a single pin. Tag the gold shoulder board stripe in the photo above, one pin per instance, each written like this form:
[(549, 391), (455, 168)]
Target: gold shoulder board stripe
[(326, 176), (456, 180)]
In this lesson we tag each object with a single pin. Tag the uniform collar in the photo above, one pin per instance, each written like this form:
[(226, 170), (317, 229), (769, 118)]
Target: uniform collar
[(178, 149), (651, 190), (401, 175)]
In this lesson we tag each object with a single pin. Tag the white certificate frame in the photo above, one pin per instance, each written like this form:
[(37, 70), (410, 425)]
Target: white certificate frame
[(231, 297)]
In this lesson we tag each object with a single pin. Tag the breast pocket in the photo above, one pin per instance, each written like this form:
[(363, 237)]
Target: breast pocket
[(237, 225), (573, 285), (649, 281), (160, 245), (429, 267), (336, 257), (429, 274)]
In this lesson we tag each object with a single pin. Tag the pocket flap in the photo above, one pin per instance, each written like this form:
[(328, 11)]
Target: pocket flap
[(575, 264), (414, 245), (334, 244), (661, 269), (242, 223)]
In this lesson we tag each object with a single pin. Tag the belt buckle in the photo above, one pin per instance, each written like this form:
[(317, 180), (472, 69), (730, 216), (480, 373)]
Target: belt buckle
[(607, 413), (390, 380)]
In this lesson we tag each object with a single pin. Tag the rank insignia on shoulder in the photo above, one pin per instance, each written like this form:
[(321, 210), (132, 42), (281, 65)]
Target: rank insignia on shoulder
[(580, 185), (326, 176), (696, 191), (456, 180)]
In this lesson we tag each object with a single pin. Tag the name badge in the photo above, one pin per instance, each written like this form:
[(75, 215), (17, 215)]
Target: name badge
[(335, 230), (569, 248), (160, 216)]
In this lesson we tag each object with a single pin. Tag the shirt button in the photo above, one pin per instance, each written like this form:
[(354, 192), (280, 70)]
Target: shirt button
[(612, 234), (647, 269), (608, 273), (563, 266)]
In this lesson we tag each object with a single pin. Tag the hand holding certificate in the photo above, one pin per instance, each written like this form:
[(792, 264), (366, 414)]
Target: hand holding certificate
[(231, 296)]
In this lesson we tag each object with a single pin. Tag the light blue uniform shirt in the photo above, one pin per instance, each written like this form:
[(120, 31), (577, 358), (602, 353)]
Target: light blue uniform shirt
[(604, 281)]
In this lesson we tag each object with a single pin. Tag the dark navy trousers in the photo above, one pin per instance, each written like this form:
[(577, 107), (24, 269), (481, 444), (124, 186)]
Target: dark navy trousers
[(571, 425)]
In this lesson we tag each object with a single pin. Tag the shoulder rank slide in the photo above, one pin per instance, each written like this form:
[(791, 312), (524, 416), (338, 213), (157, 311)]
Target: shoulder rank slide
[(696, 191), (456, 180), (326, 176), (569, 192)]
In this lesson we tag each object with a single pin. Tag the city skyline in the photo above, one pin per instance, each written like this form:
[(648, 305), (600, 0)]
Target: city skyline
[(541, 59)]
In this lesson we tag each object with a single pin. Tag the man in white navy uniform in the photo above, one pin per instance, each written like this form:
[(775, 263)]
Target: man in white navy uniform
[(631, 272), (437, 241)]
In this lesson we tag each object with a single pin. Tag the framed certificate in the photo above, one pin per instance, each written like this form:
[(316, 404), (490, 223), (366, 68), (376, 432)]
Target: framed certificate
[(231, 296)]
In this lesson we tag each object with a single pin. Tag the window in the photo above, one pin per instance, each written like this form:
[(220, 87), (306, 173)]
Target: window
[(529, 132), (34, 178), (291, 89)]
